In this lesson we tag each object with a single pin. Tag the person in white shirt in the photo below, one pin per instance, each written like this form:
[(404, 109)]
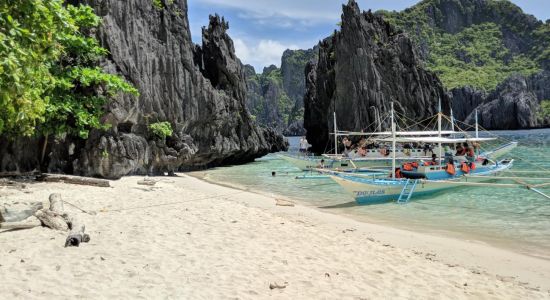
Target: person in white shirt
[(303, 145)]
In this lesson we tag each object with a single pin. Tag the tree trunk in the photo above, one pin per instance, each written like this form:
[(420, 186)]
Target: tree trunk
[(44, 147)]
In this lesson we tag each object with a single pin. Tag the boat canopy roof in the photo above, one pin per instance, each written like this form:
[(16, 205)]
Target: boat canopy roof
[(398, 133), (443, 140)]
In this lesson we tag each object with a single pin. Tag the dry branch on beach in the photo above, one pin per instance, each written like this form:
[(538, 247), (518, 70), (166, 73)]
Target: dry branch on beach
[(74, 180), (56, 217)]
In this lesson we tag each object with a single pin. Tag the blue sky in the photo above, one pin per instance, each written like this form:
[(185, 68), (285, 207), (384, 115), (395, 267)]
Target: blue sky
[(263, 29)]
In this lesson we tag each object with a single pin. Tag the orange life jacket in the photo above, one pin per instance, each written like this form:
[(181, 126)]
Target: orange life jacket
[(451, 169), (472, 166), (471, 152), (465, 168), (398, 173), (407, 167)]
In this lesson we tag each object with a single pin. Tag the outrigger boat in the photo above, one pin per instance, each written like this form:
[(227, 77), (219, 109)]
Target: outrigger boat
[(413, 178), (382, 157)]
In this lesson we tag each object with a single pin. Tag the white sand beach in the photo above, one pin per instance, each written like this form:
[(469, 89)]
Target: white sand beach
[(185, 238)]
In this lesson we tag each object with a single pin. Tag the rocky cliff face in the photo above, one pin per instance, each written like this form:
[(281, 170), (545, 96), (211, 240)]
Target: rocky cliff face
[(275, 97), (516, 103), (200, 90), (510, 106), (361, 69)]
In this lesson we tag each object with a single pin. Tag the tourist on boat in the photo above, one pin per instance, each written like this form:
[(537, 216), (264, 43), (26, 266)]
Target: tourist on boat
[(428, 148), (303, 145), (470, 154), (434, 159), (347, 147), (448, 153), (476, 146), (460, 151)]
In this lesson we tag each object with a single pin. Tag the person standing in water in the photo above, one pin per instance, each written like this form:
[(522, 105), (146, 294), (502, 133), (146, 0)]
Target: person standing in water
[(303, 145)]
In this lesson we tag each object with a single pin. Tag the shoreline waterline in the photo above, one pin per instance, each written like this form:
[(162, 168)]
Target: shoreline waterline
[(474, 254), (486, 240)]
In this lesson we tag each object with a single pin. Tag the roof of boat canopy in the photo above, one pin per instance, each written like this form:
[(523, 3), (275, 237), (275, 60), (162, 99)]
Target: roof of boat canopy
[(436, 139), (399, 133)]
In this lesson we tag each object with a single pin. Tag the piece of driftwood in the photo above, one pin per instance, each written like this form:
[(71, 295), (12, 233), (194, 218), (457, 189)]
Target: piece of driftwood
[(18, 211), (30, 222), (281, 202), (19, 174), (54, 217), (148, 182), (77, 234), (75, 180)]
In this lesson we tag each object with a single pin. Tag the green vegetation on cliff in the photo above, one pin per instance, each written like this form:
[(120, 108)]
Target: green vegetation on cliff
[(49, 82), (471, 45), (477, 57)]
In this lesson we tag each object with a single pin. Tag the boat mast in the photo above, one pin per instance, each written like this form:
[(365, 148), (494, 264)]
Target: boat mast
[(477, 126), (393, 143), (335, 137), (452, 120), (439, 127)]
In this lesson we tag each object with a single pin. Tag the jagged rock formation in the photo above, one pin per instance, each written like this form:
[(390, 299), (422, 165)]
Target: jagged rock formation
[(511, 106), (275, 97), (516, 103), (200, 90), (361, 69), (465, 101)]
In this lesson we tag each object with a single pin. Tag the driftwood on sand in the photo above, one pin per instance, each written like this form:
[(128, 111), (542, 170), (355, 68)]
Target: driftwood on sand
[(19, 174), (28, 223), (19, 215), (146, 181), (74, 180), (55, 217)]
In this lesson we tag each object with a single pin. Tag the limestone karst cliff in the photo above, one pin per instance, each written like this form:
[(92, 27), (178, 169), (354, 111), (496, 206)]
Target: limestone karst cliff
[(275, 96), (199, 90), (481, 50), (361, 69)]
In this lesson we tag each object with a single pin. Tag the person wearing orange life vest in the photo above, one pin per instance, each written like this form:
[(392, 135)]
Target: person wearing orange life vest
[(451, 168), (465, 168), (398, 173)]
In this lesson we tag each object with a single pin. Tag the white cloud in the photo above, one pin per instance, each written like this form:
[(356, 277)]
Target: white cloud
[(261, 53), (315, 11)]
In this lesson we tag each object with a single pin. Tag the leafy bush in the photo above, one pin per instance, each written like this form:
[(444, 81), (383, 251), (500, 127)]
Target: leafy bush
[(49, 82), (158, 4), (161, 129), (544, 109)]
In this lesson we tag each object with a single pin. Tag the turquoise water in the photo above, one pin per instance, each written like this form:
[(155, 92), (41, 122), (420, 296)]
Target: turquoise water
[(512, 218)]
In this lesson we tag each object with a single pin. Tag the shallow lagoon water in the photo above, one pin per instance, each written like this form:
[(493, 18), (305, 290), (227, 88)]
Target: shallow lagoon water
[(512, 218)]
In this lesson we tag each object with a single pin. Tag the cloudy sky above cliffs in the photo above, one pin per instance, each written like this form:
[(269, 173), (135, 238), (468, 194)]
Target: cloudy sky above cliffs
[(263, 29)]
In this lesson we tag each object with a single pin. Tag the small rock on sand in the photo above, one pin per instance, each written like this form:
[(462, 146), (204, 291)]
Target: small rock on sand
[(275, 285)]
